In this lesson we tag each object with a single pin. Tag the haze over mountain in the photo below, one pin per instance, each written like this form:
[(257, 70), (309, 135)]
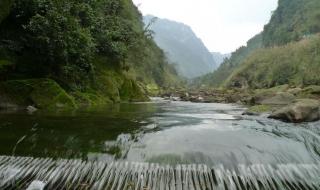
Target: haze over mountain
[(219, 57), (183, 48)]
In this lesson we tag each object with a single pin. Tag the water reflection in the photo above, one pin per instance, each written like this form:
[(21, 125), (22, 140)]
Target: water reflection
[(161, 132)]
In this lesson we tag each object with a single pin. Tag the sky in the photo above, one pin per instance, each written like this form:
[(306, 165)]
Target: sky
[(223, 25)]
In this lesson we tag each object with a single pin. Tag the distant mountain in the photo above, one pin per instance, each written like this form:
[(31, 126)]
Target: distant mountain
[(183, 48), (219, 57)]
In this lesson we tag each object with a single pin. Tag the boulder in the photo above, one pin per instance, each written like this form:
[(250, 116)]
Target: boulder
[(257, 110), (304, 110), (295, 91), (312, 92), (313, 89), (31, 109), (281, 98), (42, 93)]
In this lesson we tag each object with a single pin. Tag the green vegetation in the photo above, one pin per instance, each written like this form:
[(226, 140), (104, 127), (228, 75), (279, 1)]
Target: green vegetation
[(275, 56), (296, 64), (216, 78), (258, 109), (42, 93), (97, 51), (292, 21)]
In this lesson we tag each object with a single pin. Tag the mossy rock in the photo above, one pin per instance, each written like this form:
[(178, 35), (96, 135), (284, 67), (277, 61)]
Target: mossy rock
[(303, 110), (89, 99), (42, 93), (258, 110), (153, 89), (274, 90), (312, 91), (132, 91)]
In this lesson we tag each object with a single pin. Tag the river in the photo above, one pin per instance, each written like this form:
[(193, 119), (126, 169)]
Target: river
[(161, 132)]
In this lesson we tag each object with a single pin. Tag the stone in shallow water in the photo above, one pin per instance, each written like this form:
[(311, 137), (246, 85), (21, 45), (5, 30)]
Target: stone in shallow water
[(31, 109), (305, 110)]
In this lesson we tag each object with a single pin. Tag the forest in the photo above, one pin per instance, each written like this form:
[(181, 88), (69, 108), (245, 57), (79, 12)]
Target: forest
[(93, 51)]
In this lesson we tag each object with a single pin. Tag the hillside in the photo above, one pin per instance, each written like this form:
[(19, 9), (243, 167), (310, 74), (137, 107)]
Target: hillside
[(296, 64), (219, 57), (292, 21), (86, 52), (183, 48), (218, 77)]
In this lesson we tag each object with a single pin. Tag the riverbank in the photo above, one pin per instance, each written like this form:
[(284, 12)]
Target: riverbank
[(289, 104)]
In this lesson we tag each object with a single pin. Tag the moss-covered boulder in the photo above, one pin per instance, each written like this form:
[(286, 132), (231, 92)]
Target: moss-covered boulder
[(282, 98), (116, 85), (258, 109), (304, 110), (312, 91), (153, 89), (132, 91), (278, 95), (91, 99), (42, 93)]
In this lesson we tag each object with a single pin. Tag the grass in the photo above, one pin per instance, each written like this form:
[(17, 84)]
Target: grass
[(296, 64)]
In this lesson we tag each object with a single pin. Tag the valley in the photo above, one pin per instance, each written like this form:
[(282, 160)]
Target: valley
[(101, 94)]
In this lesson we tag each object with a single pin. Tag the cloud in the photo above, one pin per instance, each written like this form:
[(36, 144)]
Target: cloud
[(223, 25)]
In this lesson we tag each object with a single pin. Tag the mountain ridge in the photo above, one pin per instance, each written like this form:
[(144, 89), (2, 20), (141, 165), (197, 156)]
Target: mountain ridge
[(182, 46), (293, 23)]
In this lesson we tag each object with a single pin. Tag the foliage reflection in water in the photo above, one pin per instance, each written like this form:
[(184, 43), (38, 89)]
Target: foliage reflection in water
[(161, 132)]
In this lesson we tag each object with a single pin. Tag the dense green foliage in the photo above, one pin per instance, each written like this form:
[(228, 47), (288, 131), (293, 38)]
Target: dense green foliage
[(249, 66), (66, 41), (63, 37), (292, 21), (297, 64)]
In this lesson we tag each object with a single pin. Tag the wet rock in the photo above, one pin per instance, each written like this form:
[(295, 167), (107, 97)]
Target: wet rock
[(305, 110), (31, 109)]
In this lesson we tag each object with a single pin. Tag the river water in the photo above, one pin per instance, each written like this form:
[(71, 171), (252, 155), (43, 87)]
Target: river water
[(161, 132)]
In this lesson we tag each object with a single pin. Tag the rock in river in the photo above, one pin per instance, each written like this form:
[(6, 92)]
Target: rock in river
[(304, 110)]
